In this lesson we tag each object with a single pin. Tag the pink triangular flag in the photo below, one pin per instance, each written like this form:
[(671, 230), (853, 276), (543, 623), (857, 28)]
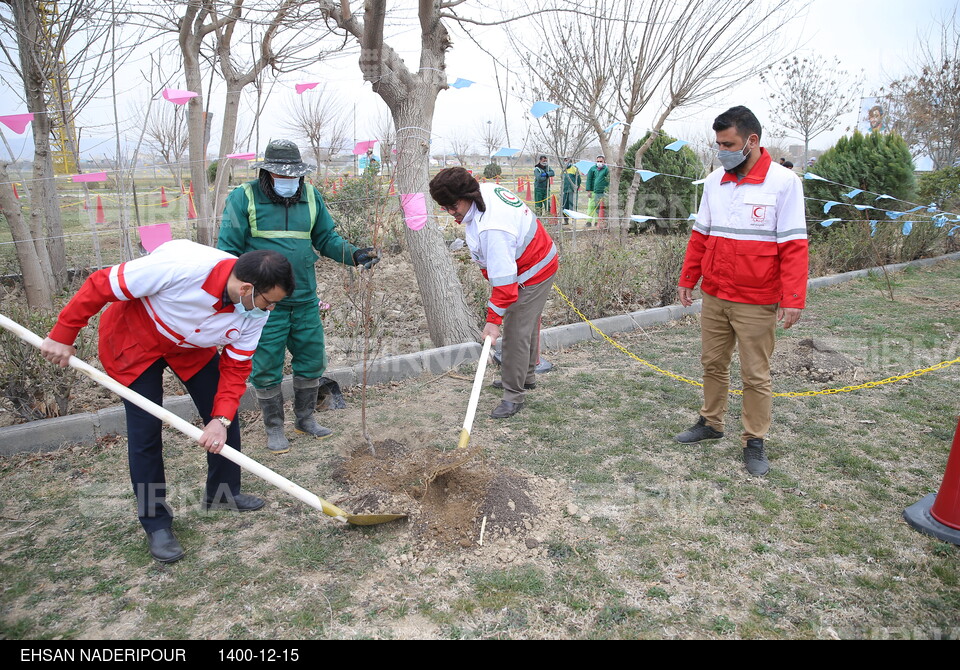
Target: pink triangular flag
[(362, 147), (153, 236), (414, 210), (178, 96), (90, 176), (16, 122), (242, 156), (305, 87)]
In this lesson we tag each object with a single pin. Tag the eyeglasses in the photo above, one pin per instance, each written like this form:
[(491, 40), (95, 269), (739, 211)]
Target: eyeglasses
[(260, 293), (452, 209)]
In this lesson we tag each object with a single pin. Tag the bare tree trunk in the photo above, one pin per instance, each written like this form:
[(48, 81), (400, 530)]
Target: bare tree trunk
[(411, 98), (449, 319), (34, 280), (45, 222)]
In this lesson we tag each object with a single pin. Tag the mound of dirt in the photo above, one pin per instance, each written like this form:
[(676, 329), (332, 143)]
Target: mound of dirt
[(449, 497), (814, 360)]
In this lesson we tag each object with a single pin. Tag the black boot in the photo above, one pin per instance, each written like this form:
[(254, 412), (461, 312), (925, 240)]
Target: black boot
[(271, 406), (305, 404)]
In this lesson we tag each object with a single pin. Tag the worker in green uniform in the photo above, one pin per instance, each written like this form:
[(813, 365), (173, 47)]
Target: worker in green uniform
[(570, 185), (542, 174), (598, 180), (279, 211)]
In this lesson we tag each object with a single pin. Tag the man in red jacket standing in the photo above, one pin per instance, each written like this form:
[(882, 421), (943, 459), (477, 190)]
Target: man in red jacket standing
[(749, 245)]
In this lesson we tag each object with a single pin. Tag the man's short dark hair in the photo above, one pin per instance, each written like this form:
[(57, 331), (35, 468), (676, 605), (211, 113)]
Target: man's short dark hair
[(542, 157), (788, 164), (453, 184), (265, 269), (741, 119)]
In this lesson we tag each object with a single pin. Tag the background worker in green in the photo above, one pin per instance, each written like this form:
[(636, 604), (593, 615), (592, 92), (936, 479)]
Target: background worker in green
[(598, 180), (570, 185), (279, 211), (541, 185)]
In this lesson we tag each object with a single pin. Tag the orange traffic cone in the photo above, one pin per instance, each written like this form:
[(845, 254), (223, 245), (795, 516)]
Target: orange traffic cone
[(393, 189), (191, 210), (163, 198), (182, 190), (529, 193), (553, 204), (519, 184), (191, 187), (15, 194), (101, 217), (600, 211), (938, 514)]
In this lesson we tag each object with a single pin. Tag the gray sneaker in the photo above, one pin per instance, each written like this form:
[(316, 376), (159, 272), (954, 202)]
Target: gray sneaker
[(698, 432), (755, 457)]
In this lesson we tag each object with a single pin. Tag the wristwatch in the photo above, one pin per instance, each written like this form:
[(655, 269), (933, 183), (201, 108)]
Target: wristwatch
[(224, 420)]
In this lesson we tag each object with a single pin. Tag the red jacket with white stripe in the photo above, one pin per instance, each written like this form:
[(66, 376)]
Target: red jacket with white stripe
[(167, 305), (749, 243), (510, 245)]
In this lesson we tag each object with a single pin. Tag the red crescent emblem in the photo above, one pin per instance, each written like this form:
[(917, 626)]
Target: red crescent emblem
[(758, 212), (229, 336)]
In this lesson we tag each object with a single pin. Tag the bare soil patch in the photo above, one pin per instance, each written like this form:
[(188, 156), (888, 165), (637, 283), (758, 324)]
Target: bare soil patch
[(814, 360), (452, 498)]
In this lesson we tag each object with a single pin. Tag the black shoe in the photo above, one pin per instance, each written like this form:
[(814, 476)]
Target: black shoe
[(164, 546), (698, 432), (755, 457), (498, 384), (242, 502), (505, 409)]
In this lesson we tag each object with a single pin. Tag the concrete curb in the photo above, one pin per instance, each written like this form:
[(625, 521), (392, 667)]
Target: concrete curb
[(52, 434)]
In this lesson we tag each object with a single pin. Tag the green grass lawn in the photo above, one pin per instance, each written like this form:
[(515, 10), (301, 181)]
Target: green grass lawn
[(665, 540)]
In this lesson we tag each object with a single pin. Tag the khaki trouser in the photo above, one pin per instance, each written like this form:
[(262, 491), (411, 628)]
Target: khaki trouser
[(752, 329), (521, 339)]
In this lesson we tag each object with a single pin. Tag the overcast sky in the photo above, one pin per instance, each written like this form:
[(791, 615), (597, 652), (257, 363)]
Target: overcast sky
[(878, 37)]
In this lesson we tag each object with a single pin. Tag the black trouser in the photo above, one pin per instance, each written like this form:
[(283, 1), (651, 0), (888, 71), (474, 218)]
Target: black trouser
[(145, 446)]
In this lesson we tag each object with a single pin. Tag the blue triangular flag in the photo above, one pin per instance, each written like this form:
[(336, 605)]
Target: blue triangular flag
[(692, 217), (461, 83), (541, 107), (885, 197), (647, 175), (829, 222), (827, 206), (854, 193), (907, 227), (641, 218), (863, 207), (952, 231), (676, 146), (810, 175), (611, 126), (915, 209), (506, 152), (895, 215), (584, 166), (873, 228)]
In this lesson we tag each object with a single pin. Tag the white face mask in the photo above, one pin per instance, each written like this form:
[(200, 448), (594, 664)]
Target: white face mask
[(599, 165), (286, 187), (252, 313)]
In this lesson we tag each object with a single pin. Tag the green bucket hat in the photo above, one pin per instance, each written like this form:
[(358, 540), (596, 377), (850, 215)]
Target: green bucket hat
[(282, 157)]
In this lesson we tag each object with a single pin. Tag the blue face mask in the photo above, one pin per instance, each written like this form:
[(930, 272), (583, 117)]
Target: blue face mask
[(253, 313), (286, 187)]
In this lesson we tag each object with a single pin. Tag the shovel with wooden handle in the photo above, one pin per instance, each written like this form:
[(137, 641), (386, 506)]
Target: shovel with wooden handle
[(454, 459), (192, 431)]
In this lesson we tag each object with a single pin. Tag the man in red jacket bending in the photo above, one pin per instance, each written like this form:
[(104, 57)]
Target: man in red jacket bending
[(749, 245)]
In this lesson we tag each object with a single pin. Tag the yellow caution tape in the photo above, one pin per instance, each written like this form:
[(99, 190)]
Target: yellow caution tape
[(789, 394)]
